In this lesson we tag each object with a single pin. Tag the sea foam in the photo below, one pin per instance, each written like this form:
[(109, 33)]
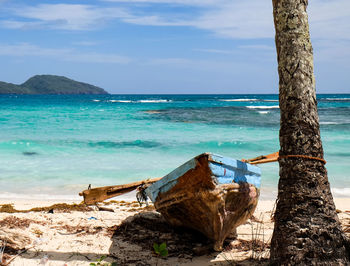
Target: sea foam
[(336, 99), (341, 192), (263, 107), (238, 100), (330, 123), (154, 101), (120, 101)]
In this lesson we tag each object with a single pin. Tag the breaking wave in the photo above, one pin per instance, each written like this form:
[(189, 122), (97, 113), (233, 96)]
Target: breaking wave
[(238, 100), (263, 107), (341, 192)]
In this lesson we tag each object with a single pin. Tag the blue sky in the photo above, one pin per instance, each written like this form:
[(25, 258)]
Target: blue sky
[(166, 46)]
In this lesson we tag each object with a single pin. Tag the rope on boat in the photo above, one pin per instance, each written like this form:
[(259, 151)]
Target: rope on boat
[(273, 157), (303, 157)]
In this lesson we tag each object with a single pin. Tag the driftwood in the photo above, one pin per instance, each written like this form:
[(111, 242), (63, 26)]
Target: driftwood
[(94, 195), (14, 239)]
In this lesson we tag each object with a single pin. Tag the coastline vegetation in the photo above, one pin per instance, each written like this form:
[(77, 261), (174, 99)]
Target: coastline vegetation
[(50, 84)]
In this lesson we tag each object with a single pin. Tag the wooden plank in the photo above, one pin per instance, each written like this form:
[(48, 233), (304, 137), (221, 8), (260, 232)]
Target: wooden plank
[(273, 157), (99, 194)]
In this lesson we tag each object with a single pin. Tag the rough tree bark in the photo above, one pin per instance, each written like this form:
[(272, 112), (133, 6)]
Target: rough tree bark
[(307, 230)]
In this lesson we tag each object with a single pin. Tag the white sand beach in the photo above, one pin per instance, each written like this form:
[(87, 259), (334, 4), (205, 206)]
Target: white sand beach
[(69, 237)]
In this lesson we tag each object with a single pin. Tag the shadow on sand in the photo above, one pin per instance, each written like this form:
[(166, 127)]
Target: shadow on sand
[(132, 243)]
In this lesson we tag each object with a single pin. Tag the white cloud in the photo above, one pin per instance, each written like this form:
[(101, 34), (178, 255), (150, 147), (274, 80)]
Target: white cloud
[(251, 19), (330, 19), (239, 20), (172, 2), (229, 19), (64, 16), (239, 50), (25, 25), (154, 21), (26, 49)]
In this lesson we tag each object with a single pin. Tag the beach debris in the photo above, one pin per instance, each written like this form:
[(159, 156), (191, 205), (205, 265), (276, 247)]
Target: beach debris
[(61, 207), (15, 222), (92, 218), (37, 232), (100, 208), (44, 260), (2, 249), (10, 259), (14, 239), (13, 242), (346, 225), (78, 229), (8, 208)]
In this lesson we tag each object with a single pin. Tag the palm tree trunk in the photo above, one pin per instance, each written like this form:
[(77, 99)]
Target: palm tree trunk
[(307, 229)]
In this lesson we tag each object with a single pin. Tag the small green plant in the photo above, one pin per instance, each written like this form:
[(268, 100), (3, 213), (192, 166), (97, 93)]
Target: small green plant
[(100, 262), (161, 249)]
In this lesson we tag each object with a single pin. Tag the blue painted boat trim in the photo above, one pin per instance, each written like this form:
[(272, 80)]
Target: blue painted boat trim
[(228, 170), (224, 170)]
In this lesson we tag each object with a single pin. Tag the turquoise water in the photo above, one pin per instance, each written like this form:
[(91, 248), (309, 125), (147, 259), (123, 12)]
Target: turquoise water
[(54, 146)]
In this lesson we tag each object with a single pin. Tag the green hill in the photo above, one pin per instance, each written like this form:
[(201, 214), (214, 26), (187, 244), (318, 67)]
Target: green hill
[(9, 88), (50, 84)]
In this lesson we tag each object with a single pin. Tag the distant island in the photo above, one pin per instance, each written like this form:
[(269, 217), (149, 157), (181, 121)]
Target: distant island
[(50, 84)]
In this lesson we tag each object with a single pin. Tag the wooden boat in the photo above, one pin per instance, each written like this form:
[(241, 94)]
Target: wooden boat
[(209, 193)]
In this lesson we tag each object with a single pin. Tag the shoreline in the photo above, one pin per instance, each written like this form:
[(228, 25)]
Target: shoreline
[(341, 203), (266, 194)]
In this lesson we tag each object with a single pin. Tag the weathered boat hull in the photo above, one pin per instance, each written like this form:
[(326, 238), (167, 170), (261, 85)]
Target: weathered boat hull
[(210, 193)]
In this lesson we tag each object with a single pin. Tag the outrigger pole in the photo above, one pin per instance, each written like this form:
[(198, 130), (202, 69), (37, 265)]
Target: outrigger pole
[(99, 194)]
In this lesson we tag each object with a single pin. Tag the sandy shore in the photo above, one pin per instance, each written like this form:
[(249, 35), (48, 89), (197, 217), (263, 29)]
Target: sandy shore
[(126, 236)]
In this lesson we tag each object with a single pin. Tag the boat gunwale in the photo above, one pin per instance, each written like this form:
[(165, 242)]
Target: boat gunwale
[(170, 180)]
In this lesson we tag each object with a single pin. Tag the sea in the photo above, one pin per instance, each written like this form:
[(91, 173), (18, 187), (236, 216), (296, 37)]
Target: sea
[(54, 146)]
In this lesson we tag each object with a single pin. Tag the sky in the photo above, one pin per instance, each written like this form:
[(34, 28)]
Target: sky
[(166, 46)]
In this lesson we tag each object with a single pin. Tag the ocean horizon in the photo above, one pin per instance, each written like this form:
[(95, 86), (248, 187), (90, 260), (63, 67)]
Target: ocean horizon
[(54, 146)]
